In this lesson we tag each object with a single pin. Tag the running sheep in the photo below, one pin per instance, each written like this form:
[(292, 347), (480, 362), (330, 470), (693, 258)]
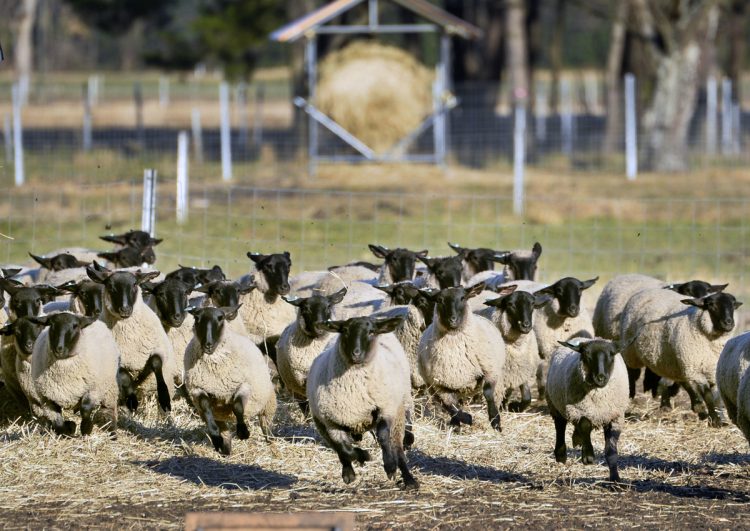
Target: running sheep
[(361, 383)]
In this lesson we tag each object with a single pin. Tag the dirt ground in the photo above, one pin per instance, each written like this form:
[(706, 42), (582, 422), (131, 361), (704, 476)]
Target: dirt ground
[(677, 472)]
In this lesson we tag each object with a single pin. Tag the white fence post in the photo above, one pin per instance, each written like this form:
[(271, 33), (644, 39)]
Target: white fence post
[(17, 135), (93, 90), (540, 112), (182, 177), (519, 156), (736, 128), (148, 214), (726, 116), (240, 98), (258, 116), (164, 91), (631, 137), (566, 117), (197, 135), (711, 104), (226, 139), (8, 136), (87, 140)]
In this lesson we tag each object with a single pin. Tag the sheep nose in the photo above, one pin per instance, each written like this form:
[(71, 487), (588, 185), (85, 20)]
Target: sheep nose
[(728, 324), (573, 310), (600, 379), (527, 324), (29, 345), (284, 288)]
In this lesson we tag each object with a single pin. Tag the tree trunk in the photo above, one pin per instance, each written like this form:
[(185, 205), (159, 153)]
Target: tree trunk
[(614, 79), (555, 55), (737, 26), (518, 67), (677, 80), (24, 49), (298, 79)]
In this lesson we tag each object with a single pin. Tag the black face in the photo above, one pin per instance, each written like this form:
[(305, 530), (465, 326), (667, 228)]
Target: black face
[(477, 260), (316, 310), (59, 262), (90, 294), (425, 303), (521, 267), (132, 238), (452, 305), (696, 288), (275, 269), (227, 293), (401, 293), (400, 262), (64, 332), (130, 256), (357, 335), (209, 325), (447, 271), (24, 332), (194, 276), (120, 289), (171, 298), (720, 307), (598, 358), (519, 307), (28, 301), (568, 291)]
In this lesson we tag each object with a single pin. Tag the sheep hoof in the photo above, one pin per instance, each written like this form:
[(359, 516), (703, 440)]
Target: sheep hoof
[(702, 414), (243, 432), (68, 428), (587, 459), (411, 484), (465, 418), (408, 440), (347, 474), (715, 422), (132, 403), (87, 426), (561, 455), (517, 407), (362, 456)]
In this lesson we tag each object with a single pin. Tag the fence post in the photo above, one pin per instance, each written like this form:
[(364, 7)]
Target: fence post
[(240, 98), (17, 135), (631, 137), (87, 141), (260, 96), (711, 104), (736, 128), (182, 177), (540, 112), (148, 214), (197, 135), (138, 100), (566, 117), (8, 136), (163, 91), (519, 155), (726, 116), (226, 139), (93, 90)]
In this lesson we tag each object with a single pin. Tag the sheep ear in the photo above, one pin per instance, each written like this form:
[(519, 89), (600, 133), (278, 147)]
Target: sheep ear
[(44, 262), (549, 290), (423, 252), (142, 278), (540, 301), (10, 271), (230, 312), (698, 303), (716, 288), (586, 284), (67, 286), (97, 276), (429, 262), (674, 287), (293, 300), (112, 257), (337, 297), (87, 321), (7, 330), (332, 326), (194, 310), (99, 267), (245, 285), (459, 250), (256, 257), (378, 250), (572, 346), (475, 290), (507, 290), (150, 287), (536, 251), (205, 288), (155, 241), (495, 303), (384, 326), (737, 304), (10, 285), (40, 320), (48, 292)]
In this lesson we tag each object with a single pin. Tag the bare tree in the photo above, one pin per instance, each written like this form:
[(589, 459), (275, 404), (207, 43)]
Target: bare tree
[(684, 28), (24, 48), (737, 28), (614, 78), (518, 67)]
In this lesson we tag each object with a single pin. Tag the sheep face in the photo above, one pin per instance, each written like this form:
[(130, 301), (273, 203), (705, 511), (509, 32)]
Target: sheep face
[(567, 291), (522, 267), (519, 307), (275, 269), (90, 294), (425, 303), (451, 305), (64, 332), (130, 256), (447, 271), (696, 288), (209, 325), (59, 262), (315, 310), (477, 260), (133, 238), (720, 307), (400, 262), (24, 332), (27, 301), (597, 360), (357, 336), (400, 293), (224, 293), (194, 276), (171, 298), (120, 288)]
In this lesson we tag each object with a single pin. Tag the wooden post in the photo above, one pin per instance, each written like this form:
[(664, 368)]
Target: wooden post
[(138, 100), (311, 57)]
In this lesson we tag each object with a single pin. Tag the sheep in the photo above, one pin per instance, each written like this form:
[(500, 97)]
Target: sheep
[(60, 268), (587, 385), (460, 353), (80, 253), (345, 276), (87, 297), (361, 300), (565, 318), (678, 342), (306, 283), (513, 314), (133, 238), (475, 260), (303, 340), (6, 273), (193, 276), (23, 333), (227, 293), (361, 383), (519, 265), (225, 375), (148, 360), (612, 300), (444, 272), (75, 366), (130, 256), (730, 370)]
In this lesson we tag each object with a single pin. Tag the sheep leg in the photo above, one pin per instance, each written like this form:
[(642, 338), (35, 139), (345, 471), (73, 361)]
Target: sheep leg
[(489, 390), (633, 375), (408, 440), (651, 382), (109, 414), (668, 389), (226, 436), (611, 437), (561, 451), (707, 391), (53, 413), (696, 401), (587, 449), (383, 435), (127, 390), (238, 406), (398, 434), (204, 404), (154, 365), (265, 418), (506, 398), (524, 402), (450, 405), (87, 410), (541, 378), (340, 441)]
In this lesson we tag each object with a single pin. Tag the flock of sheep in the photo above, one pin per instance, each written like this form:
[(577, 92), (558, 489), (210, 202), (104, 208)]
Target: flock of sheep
[(354, 345)]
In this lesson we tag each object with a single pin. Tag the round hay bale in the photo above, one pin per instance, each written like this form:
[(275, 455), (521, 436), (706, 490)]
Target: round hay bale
[(377, 92)]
